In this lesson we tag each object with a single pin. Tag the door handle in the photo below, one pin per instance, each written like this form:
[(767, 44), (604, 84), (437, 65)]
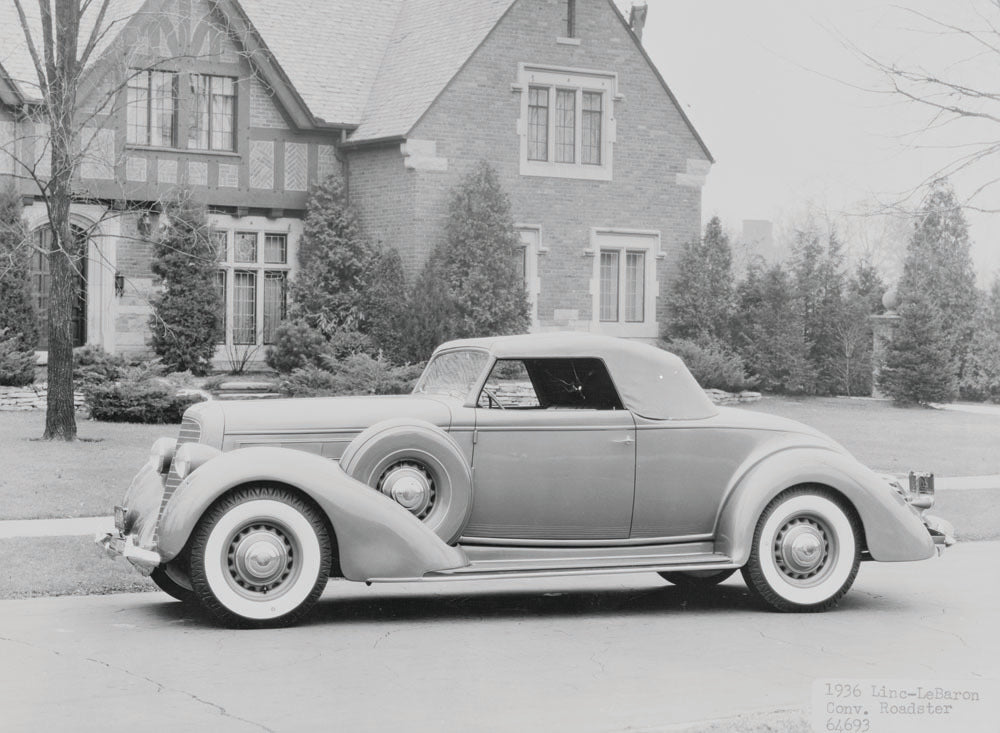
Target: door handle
[(625, 441)]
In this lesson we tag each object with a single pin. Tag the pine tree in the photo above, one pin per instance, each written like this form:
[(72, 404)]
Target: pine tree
[(333, 257), (939, 267), (470, 285), (853, 329), (919, 367), (981, 375), (185, 321), (769, 331), (383, 302), (700, 304), (17, 313)]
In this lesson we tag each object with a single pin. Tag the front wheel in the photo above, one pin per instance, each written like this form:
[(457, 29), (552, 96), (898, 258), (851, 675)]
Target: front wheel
[(806, 552), (260, 557)]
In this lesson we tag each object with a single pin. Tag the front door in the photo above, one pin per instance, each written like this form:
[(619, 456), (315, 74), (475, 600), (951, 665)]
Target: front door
[(41, 282), (554, 454)]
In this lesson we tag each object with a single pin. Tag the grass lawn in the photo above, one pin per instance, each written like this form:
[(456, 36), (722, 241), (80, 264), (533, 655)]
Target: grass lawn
[(61, 566), (42, 479), (896, 439)]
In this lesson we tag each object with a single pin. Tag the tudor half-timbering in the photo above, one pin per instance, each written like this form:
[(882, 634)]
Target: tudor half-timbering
[(246, 103)]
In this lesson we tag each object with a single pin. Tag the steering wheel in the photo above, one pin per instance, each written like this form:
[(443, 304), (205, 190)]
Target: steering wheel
[(493, 399)]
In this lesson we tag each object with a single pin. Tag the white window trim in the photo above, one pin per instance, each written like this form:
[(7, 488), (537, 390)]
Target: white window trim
[(532, 279), (582, 80), (261, 227), (623, 240)]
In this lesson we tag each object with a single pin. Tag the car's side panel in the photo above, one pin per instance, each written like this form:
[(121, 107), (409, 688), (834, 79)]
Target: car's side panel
[(682, 471), (893, 530), (376, 537), (558, 474)]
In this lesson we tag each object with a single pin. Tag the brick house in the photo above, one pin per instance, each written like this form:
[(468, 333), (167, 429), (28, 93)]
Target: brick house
[(246, 103)]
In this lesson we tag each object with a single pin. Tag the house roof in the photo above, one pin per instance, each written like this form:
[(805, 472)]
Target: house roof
[(372, 65), (15, 58)]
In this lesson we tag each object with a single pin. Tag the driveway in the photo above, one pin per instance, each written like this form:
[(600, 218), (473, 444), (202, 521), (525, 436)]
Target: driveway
[(608, 653)]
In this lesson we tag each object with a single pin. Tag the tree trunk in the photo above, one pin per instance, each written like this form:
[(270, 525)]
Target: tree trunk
[(65, 257)]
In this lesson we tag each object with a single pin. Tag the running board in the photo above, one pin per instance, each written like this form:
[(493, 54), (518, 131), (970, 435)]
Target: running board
[(591, 564)]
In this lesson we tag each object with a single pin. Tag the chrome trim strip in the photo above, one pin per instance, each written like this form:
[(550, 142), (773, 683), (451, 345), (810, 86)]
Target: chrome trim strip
[(633, 541)]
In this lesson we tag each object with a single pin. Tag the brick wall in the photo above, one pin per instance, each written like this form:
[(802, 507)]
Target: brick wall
[(383, 192), (476, 117), (134, 262)]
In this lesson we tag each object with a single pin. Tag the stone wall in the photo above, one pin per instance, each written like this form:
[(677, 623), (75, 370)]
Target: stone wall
[(32, 397)]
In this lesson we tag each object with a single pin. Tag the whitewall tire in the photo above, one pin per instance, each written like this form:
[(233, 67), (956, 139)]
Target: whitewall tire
[(260, 557), (806, 551)]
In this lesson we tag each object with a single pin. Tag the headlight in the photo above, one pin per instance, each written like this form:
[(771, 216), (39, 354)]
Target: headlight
[(162, 453), (191, 456)]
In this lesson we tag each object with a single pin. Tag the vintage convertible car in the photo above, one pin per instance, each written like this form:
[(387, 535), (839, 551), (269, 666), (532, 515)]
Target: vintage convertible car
[(517, 456)]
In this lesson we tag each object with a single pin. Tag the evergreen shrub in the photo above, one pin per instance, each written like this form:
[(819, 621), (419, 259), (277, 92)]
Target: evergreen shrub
[(711, 364), (17, 365)]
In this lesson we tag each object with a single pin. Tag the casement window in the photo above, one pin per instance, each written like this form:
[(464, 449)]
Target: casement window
[(527, 266), (253, 283), (624, 284), (213, 112), (567, 125), (151, 108)]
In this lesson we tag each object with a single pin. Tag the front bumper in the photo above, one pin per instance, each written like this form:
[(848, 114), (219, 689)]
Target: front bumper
[(118, 544), (941, 532)]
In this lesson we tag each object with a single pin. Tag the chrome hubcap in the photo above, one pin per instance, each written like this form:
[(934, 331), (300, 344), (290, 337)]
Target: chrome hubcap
[(410, 486), (261, 558), (803, 551)]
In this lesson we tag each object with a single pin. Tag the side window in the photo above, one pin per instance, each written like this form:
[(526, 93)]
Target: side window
[(552, 384), (508, 386)]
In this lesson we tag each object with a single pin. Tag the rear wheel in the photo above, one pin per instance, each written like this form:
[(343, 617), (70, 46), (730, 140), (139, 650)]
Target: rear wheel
[(260, 557), (806, 551), (697, 579)]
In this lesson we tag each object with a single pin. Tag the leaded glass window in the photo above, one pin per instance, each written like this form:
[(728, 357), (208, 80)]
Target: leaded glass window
[(565, 126), (244, 307), (151, 109), (213, 112), (609, 285), (591, 128), (538, 124), (635, 286)]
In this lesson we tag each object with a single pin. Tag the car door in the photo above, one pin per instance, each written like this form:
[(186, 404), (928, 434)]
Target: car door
[(553, 454)]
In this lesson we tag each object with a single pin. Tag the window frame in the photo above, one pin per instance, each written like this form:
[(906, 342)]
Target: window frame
[(262, 269), (196, 130), (625, 242), (557, 82), (147, 74)]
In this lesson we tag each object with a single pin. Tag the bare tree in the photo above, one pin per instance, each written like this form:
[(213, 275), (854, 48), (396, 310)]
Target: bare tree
[(960, 98), (83, 63)]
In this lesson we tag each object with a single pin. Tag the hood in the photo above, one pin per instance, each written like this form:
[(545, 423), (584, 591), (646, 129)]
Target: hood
[(743, 419), (318, 414)]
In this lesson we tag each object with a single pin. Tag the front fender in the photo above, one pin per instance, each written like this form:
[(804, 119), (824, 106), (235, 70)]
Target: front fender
[(376, 537), (893, 531)]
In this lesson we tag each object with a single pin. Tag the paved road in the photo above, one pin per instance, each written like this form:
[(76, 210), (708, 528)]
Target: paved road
[(610, 653)]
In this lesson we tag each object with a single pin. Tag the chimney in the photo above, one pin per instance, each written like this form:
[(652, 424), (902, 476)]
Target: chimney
[(637, 17)]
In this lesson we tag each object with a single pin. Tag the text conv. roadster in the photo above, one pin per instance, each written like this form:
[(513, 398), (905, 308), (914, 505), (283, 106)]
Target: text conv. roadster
[(518, 456)]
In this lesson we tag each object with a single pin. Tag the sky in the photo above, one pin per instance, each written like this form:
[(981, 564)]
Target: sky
[(779, 91)]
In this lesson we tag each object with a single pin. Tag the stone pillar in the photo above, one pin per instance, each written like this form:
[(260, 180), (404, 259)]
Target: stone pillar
[(883, 333)]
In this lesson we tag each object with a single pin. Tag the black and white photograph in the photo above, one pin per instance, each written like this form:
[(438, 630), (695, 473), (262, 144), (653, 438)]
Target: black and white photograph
[(570, 366)]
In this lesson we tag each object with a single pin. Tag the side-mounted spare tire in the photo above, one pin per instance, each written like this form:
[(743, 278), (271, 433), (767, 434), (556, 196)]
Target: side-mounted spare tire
[(420, 467)]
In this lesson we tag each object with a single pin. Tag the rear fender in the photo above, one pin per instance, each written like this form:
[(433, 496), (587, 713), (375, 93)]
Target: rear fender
[(893, 531), (376, 537)]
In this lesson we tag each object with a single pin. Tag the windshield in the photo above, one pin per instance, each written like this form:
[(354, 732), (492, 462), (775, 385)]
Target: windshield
[(452, 373)]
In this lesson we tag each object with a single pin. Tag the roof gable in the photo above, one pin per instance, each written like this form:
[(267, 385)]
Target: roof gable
[(422, 56)]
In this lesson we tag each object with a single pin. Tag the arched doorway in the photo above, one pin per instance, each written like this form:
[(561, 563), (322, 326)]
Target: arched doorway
[(40, 281)]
